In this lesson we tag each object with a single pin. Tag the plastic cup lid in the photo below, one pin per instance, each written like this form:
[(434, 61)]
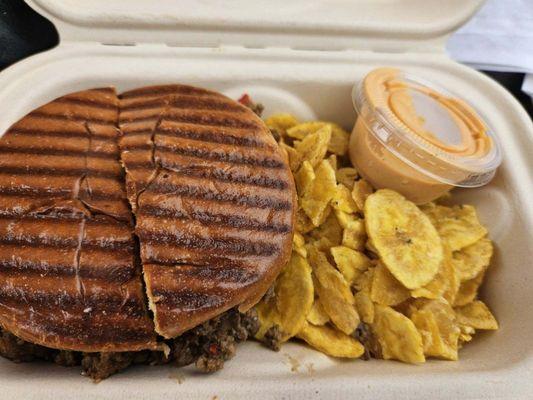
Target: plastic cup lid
[(427, 127)]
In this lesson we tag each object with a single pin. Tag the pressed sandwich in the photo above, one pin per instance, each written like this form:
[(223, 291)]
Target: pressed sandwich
[(139, 228)]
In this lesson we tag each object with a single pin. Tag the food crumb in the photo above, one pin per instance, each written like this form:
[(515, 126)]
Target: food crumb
[(310, 367), (247, 101), (272, 338), (177, 376), (293, 362)]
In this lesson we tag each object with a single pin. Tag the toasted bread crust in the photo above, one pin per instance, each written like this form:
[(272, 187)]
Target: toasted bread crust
[(214, 201), (68, 273), (213, 205)]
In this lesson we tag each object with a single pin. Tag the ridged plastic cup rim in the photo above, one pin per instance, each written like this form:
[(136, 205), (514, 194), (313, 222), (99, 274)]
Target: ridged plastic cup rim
[(480, 170)]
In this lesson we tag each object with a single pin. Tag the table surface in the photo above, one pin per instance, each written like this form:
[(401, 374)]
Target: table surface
[(23, 32)]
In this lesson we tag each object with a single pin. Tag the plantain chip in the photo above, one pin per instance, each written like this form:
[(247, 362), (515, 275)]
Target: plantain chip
[(406, 241), (439, 329), (298, 245), (386, 289), (397, 335), (354, 235), (304, 178), (351, 263), (464, 338), (347, 176), (370, 247), (314, 146), (342, 314), (360, 191), (303, 222), (317, 315), (303, 129), (471, 260), (334, 293), (294, 295), (268, 316), (468, 290), (332, 159), (408, 306), (458, 226), (476, 315), (281, 122), (331, 342), (295, 159), (330, 231), (466, 335), (339, 140), (343, 201), (440, 284), (322, 244), (298, 240), (364, 280), (339, 137), (315, 201), (452, 281), (344, 218), (364, 306)]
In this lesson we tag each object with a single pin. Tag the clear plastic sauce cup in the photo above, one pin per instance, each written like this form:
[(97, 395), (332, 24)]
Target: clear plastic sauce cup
[(418, 139)]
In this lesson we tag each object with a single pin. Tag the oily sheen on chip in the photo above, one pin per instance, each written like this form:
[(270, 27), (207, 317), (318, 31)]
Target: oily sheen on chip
[(192, 176)]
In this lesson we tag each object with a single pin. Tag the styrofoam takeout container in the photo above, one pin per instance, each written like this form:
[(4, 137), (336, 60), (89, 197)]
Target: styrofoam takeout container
[(302, 57)]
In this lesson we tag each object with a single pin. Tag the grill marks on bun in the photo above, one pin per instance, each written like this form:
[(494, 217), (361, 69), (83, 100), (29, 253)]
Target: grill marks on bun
[(68, 272), (213, 199), (213, 209)]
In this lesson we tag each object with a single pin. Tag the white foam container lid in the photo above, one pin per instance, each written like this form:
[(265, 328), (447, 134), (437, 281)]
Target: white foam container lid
[(301, 57)]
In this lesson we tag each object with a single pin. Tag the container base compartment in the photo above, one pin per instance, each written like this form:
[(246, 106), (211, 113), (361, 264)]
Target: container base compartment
[(311, 84)]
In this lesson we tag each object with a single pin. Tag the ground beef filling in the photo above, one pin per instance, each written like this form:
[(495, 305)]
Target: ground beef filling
[(273, 337), (207, 346)]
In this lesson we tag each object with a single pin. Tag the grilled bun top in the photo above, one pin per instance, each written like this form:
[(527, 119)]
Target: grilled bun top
[(214, 202), (213, 205), (68, 272)]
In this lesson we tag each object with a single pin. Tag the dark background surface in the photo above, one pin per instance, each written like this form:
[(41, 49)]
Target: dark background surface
[(24, 32)]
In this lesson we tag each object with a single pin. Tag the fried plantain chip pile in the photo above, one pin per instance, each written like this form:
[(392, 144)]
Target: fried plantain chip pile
[(371, 273)]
